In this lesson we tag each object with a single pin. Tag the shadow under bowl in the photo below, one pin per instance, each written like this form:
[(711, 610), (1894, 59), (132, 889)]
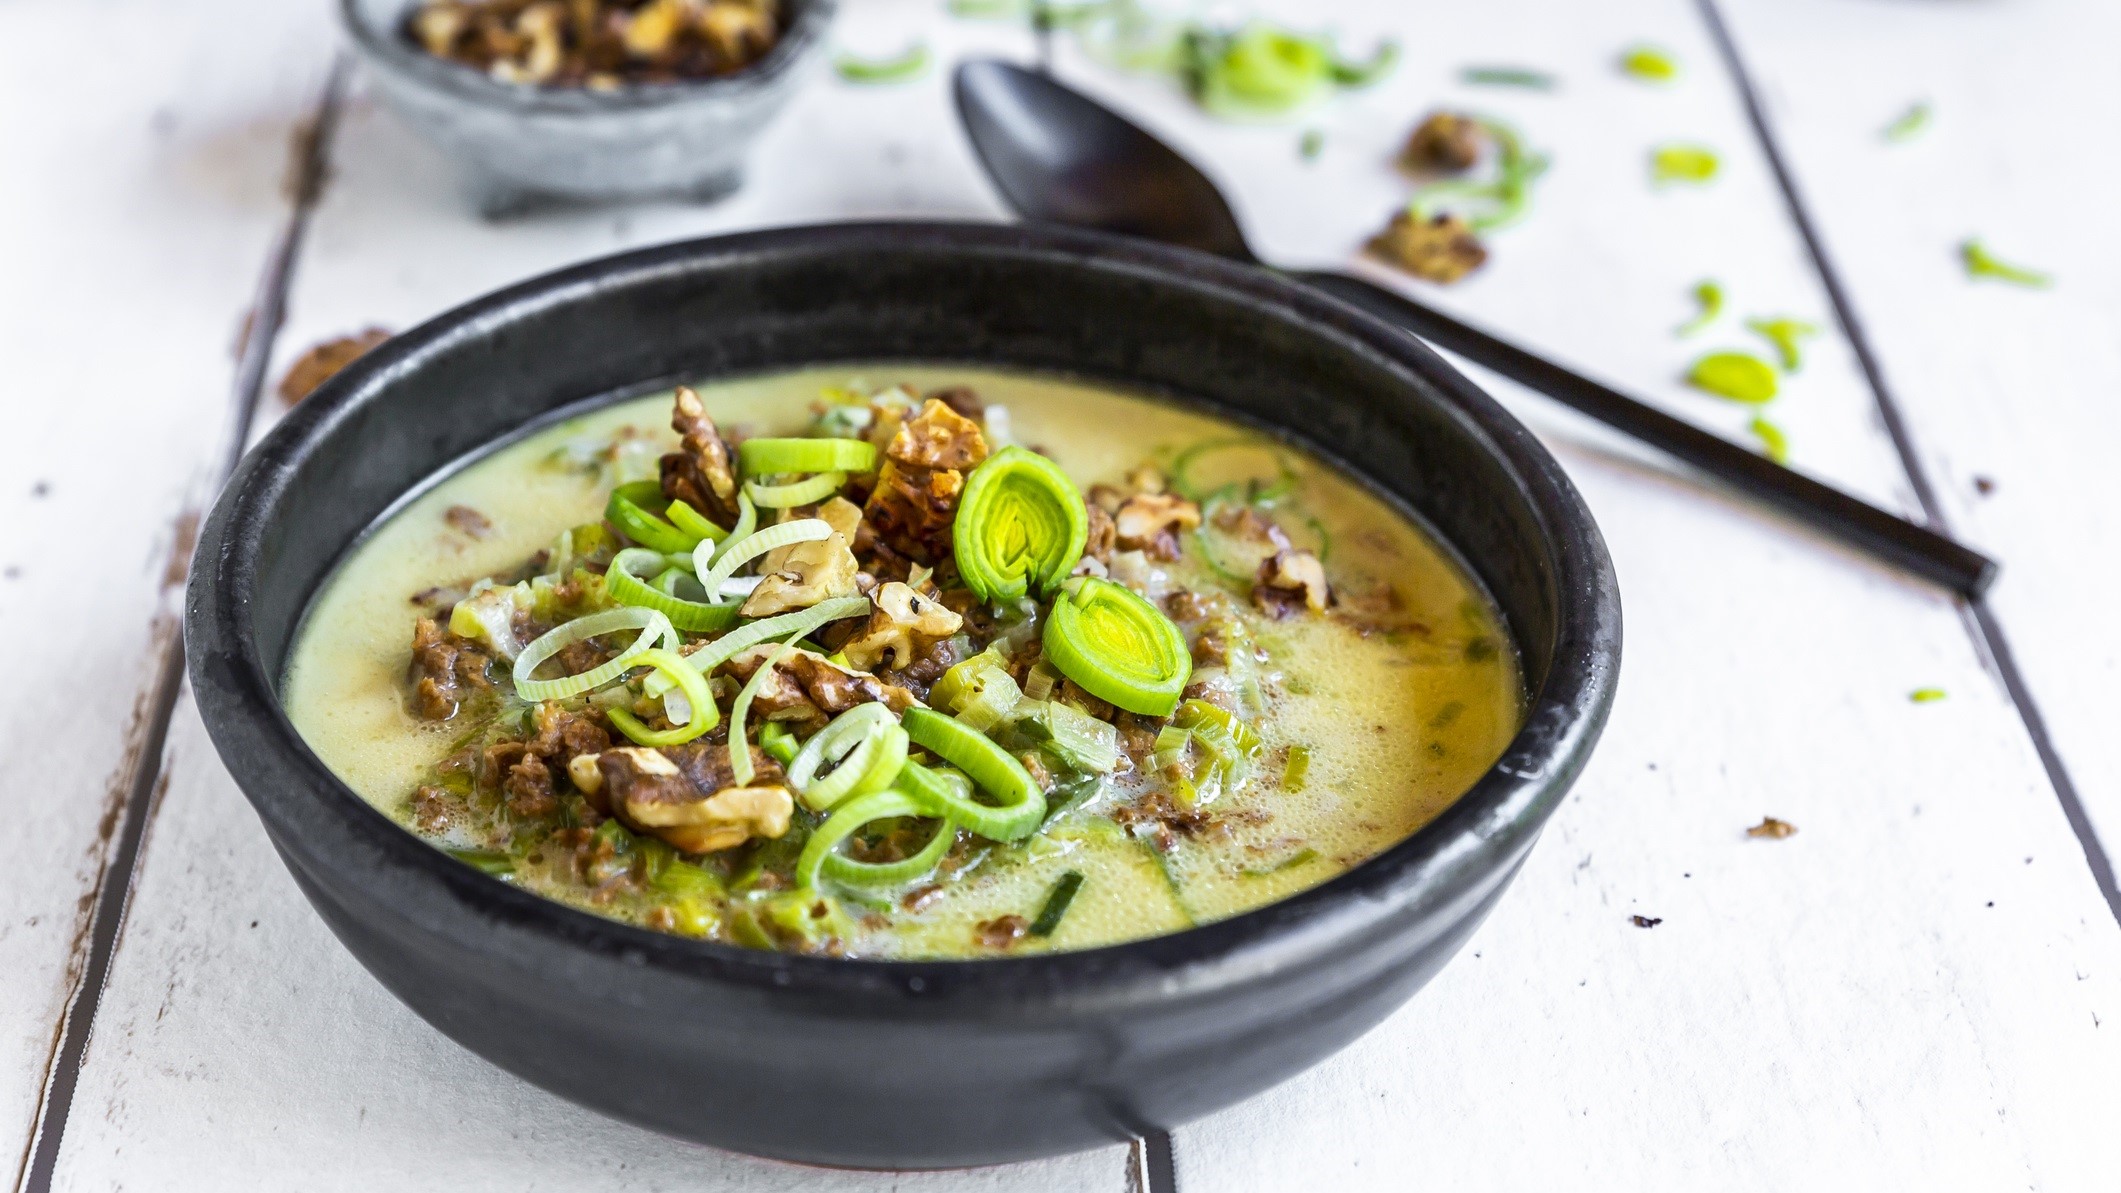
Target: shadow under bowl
[(902, 1064), (523, 146)]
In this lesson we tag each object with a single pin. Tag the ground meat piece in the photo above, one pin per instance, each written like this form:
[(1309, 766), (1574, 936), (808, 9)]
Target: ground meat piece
[(1137, 736), (1103, 534), (920, 896), (444, 668), (529, 789), (562, 734), (699, 473), (1072, 693), (1214, 686), (962, 400), (1002, 932), (1189, 608), (1442, 249), (1157, 816), (433, 808), (1446, 142)]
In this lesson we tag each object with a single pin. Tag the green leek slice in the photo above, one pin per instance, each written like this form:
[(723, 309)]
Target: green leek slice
[(626, 511), (767, 457), (819, 852), (652, 624), (809, 491), (1118, 647), (1020, 806), (704, 715), (1020, 525), (626, 587)]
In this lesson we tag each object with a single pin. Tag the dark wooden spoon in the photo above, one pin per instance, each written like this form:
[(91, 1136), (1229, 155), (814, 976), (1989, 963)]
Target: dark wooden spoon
[(1061, 157)]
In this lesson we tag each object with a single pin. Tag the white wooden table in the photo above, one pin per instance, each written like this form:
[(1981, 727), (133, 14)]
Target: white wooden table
[(1921, 989)]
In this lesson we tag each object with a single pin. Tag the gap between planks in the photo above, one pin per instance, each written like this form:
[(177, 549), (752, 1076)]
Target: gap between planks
[(1981, 622), (308, 163)]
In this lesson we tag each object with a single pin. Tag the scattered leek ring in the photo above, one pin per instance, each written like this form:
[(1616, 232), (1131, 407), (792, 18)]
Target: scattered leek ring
[(626, 587), (692, 522), (1020, 525), (735, 554), (692, 683), (766, 457), (781, 625), (1118, 647), (739, 744), (867, 747), (651, 622), (624, 510), (818, 853), (1254, 492), (795, 493), (1020, 806)]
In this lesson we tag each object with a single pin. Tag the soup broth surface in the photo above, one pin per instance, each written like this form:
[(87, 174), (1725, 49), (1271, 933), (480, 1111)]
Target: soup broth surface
[(1372, 716)]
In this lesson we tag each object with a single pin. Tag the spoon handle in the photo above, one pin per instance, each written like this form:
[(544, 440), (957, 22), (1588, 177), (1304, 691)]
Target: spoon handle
[(1866, 527)]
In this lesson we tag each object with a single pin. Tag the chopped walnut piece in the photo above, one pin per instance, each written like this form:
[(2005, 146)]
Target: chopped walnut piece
[(1104, 534), (323, 361), (812, 572), (1445, 142), (915, 499), (1771, 827), (1151, 522), (939, 437), (807, 686), (468, 520), (1291, 581), (660, 792), (596, 43), (699, 473), (901, 624), (1442, 249)]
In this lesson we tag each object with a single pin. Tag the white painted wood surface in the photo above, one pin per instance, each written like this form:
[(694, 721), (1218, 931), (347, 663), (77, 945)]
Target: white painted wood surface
[(1908, 993), (2013, 385), (137, 203)]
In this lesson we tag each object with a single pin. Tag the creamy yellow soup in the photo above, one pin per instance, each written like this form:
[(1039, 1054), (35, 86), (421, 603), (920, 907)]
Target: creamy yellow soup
[(1376, 715)]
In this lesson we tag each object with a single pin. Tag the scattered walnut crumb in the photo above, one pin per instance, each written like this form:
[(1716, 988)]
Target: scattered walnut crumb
[(1771, 827), (1984, 485), (321, 362), (1645, 921), (1442, 249), (1446, 142), (468, 520)]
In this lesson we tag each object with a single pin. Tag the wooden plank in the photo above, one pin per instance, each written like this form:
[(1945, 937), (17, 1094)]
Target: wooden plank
[(238, 1045), (144, 152), (1910, 991), (2009, 386)]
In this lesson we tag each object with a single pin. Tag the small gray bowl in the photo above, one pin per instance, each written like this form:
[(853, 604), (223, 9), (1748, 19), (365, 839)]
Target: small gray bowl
[(527, 146)]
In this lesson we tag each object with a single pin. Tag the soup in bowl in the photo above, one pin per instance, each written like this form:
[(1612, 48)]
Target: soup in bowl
[(902, 695), (992, 663)]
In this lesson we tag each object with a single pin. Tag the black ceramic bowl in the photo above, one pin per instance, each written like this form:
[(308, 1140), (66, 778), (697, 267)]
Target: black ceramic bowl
[(901, 1064)]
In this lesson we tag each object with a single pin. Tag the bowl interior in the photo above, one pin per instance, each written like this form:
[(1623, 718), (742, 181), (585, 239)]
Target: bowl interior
[(1238, 341)]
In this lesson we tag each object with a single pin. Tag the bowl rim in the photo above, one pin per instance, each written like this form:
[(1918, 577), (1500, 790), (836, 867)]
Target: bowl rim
[(383, 49), (1449, 861)]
